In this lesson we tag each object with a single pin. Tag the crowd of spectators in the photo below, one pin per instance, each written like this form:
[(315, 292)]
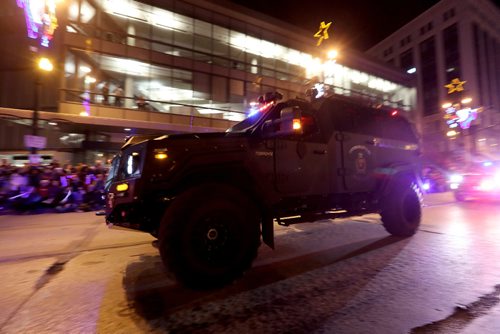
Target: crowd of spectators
[(51, 188)]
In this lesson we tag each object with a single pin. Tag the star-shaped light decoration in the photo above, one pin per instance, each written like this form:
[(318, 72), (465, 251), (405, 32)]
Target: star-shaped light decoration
[(322, 32), (455, 86)]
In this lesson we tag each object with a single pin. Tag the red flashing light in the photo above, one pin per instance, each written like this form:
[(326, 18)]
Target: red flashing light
[(266, 106), (394, 113)]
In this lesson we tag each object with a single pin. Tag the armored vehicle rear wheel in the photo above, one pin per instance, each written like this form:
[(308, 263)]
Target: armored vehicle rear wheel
[(401, 208), (209, 236)]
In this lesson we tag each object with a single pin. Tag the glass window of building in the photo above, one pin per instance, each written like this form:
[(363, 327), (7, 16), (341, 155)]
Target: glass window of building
[(406, 60), (169, 58), (429, 76), (451, 46)]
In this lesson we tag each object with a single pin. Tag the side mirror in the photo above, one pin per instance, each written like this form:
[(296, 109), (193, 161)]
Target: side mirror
[(269, 128)]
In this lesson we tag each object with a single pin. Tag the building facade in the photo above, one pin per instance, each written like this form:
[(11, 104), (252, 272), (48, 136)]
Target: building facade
[(453, 40), (125, 66)]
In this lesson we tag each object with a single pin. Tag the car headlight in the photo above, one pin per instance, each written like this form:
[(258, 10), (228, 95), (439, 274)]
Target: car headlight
[(497, 179), (487, 185)]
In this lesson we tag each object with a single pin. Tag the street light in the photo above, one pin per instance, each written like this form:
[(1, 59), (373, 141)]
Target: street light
[(466, 100), (333, 54), (43, 65)]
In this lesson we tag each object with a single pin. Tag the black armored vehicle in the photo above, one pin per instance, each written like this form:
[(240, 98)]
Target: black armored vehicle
[(210, 197)]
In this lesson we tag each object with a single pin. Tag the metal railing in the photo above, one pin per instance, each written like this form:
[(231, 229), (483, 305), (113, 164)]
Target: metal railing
[(140, 103)]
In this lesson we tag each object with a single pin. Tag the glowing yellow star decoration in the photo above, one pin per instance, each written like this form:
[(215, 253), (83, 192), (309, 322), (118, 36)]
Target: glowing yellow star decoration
[(322, 32), (455, 86)]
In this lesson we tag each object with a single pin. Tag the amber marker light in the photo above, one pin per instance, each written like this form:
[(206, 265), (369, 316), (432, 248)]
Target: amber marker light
[(161, 156), (122, 187), (296, 124)]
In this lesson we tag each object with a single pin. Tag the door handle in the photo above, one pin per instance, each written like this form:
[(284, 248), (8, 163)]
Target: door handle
[(319, 151)]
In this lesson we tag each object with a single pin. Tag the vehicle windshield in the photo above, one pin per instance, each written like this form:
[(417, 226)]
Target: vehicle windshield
[(112, 172), (248, 122)]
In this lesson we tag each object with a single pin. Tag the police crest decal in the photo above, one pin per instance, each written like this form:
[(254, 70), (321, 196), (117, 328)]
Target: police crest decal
[(359, 157)]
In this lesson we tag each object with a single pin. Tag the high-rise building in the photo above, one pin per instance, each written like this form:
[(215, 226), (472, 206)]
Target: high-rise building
[(124, 66), (453, 45)]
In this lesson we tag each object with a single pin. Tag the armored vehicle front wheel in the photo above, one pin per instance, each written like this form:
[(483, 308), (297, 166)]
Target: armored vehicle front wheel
[(401, 208), (209, 236)]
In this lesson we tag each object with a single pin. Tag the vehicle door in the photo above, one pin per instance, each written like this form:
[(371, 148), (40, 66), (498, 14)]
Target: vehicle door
[(301, 159), (353, 145)]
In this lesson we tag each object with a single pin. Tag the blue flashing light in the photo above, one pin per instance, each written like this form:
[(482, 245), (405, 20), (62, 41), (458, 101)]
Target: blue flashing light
[(258, 108), (253, 111)]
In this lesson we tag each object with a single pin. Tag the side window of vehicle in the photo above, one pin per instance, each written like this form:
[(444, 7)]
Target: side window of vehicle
[(343, 116), (406, 131), (398, 128), (366, 122), (350, 117)]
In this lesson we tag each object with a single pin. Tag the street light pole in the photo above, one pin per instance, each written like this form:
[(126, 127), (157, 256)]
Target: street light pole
[(43, 64), (34, 124), (34, 127)]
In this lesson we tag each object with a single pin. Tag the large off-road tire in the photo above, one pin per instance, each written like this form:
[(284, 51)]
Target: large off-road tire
[(209, 236), (401, 207)]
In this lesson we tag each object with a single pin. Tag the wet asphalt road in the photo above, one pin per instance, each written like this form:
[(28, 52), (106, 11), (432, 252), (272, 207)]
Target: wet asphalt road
[(68, 273)]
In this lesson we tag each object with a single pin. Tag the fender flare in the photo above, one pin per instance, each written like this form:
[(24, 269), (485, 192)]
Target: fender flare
[(398, 171)]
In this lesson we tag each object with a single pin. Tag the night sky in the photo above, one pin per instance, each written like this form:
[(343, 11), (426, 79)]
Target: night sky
[(357, 24)]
